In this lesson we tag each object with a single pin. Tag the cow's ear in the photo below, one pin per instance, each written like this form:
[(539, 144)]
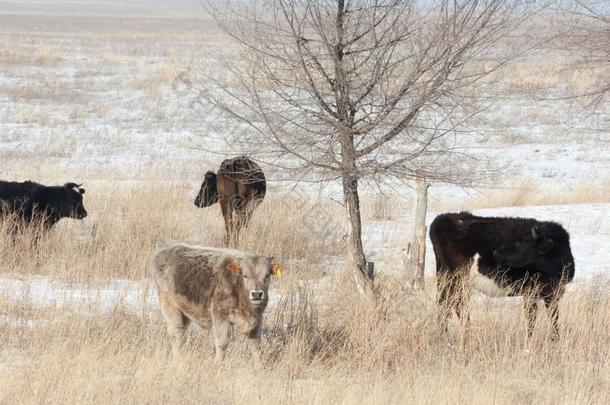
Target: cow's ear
[(535, 232), (277, 269), (545, 246), (233, 267), (75, 187)]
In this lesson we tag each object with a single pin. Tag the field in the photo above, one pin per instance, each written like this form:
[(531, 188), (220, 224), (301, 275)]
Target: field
[(89, 93)]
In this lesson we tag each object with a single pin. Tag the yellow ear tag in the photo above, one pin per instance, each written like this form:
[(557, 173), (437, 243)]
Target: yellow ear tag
[(277, 270), (233, 267)]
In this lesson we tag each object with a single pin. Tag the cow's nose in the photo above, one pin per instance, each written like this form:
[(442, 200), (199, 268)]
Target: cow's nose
[(256, 295)]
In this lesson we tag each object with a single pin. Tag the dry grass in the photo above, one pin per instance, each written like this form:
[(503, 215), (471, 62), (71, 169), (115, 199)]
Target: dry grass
[(46, 90), (113, 58), (322, 344), (151, 80), (529, 194), (39, 55), (127, 223), (44, 56), (169, 72), (345, 353), (548, 74), (385, 207)]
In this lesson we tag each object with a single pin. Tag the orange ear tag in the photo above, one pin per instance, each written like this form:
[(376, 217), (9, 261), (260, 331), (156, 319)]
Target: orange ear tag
[(277, 270), (233, 267)]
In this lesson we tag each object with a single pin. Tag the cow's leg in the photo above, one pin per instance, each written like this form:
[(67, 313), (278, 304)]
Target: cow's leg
[(461, 302), (462, 306), (240, 222), (221, 328), (453, 292), (254, 342), (226, 215), (249, 208), (446, 297), (443, 299), (235, 220), (176, 322), (239, 216), (237, 224), (552, 305)]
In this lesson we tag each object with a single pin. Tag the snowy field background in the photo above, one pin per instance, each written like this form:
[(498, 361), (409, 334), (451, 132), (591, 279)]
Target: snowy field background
[(90, 92)]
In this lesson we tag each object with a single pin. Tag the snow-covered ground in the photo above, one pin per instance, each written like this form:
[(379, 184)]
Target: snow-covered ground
[(104, 298), (92, 98), (97, 98), (588, 224)]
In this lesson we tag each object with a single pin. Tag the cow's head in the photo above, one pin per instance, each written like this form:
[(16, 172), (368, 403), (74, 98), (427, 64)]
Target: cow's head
[(537, 249), (70, 204), (207, 194), (256, 272)]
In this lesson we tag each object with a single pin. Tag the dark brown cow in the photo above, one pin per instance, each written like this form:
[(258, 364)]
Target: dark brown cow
[(522, 255), (239, 187)]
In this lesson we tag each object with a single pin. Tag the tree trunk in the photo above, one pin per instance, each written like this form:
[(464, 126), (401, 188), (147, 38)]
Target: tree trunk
[(358, 266), (416, 251)]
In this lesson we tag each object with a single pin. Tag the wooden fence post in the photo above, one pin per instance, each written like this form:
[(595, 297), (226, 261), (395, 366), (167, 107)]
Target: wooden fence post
[(415, 259), (370, 270)]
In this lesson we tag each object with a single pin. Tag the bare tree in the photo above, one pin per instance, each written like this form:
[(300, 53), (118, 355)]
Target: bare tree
[(358, 90), (587, 39)]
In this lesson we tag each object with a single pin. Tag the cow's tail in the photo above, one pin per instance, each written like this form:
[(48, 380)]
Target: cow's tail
[(157, 266), (148, 284)]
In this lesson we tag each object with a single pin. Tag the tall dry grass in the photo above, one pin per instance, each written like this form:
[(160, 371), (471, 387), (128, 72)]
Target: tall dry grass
[(521, 194), (322, 344), (125, 224), (549, 74), (342, 352)]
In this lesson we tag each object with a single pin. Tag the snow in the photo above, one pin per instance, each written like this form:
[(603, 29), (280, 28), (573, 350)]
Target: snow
[(101, 106), (46, 292), (588, 224)]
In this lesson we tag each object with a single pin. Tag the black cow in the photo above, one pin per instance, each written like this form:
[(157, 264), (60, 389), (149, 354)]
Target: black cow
[(239, 187), (31, 202), (525, 256)]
